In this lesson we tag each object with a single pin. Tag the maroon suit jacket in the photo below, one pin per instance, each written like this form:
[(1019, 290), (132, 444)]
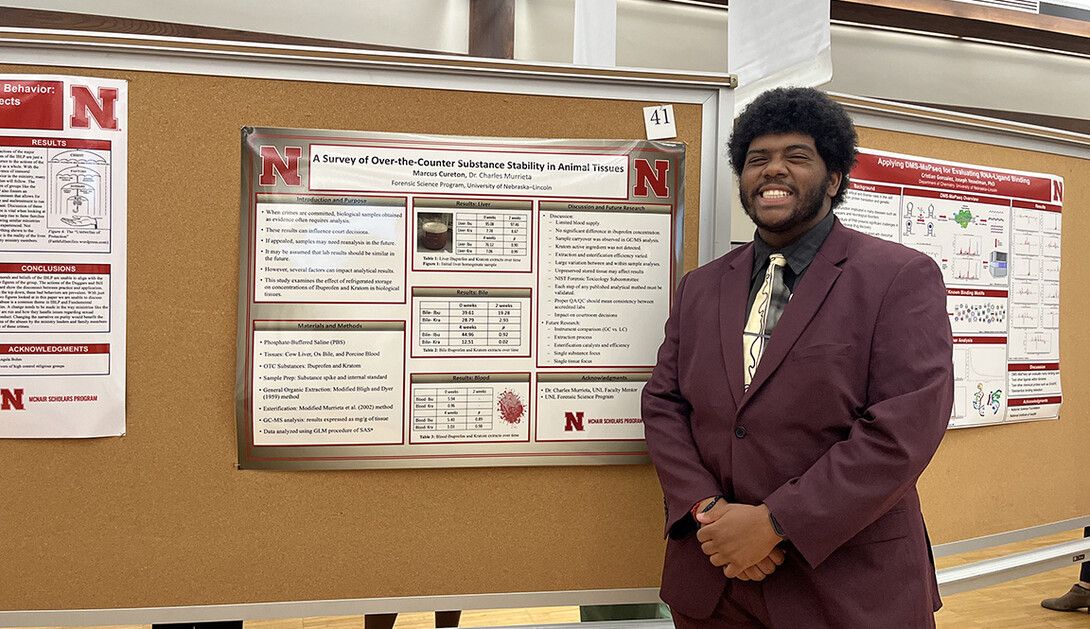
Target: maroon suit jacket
[(845, 410)]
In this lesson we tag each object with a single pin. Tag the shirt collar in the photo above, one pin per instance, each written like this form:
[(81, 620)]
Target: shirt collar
[(800, 253)]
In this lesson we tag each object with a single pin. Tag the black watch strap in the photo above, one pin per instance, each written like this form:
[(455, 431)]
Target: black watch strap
[(776, 526)]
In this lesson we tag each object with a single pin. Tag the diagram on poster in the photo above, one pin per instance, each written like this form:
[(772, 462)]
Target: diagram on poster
[(995, 234), (63, 161), (434, 301), (80, 192)]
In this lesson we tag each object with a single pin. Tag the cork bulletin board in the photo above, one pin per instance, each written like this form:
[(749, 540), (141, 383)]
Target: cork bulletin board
[(162, 516)]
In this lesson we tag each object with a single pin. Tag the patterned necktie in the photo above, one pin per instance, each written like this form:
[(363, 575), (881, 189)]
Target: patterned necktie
[(765, 313)]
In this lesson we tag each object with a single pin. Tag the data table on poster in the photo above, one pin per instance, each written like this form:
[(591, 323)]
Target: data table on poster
[(481, 325), (452, 408), (488, 234)]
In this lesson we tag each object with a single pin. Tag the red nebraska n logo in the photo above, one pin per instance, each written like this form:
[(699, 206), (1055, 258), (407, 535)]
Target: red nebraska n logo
[(12, 399), (100, 108), (655, 177), (273, 164), (573, 421)]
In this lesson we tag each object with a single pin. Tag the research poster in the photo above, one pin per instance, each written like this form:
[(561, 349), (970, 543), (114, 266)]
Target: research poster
[(63, 156), (425, 301), (996, 236)]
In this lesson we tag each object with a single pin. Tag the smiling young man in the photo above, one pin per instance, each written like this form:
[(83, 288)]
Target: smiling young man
[(803, 386)]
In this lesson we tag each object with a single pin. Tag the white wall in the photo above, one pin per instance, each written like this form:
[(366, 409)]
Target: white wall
[(428, 24), (659, 35), (901, 66), (544, 30), (650, 34)]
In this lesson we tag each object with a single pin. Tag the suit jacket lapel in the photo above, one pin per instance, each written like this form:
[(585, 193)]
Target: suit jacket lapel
[(805, 303), (733, 295)]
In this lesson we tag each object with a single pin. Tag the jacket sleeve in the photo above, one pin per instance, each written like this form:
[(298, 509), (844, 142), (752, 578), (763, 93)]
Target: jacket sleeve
[(684, 477), (909, 399)]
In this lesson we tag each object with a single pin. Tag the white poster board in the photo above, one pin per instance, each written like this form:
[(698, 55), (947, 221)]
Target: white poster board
[(63, 173)]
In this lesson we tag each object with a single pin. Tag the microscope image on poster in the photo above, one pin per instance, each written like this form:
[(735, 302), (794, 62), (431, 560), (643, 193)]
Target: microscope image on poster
[(78, 194)]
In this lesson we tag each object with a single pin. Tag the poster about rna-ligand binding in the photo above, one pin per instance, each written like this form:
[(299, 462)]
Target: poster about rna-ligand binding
[(995, 234), (63, 155)]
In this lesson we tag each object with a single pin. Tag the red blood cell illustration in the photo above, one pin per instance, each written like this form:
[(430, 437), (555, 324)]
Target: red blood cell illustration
[(510, 406)]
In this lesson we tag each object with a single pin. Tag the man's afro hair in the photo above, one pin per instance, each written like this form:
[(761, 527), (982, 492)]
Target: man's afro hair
[(799, 110)]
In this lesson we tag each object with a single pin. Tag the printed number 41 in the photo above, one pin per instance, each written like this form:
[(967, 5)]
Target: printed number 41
[(659, 122)]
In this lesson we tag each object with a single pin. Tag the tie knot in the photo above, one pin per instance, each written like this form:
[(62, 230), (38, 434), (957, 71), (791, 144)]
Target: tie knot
[(777, 259)]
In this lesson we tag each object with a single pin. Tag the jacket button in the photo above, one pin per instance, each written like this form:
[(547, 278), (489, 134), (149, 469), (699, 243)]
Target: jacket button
[(740, 432)]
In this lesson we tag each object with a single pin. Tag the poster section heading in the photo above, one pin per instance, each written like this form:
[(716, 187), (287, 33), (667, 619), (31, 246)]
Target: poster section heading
[(995, 235), (395, 315)]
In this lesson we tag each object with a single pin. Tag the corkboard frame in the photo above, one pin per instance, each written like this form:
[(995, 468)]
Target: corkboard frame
[(159, 525)]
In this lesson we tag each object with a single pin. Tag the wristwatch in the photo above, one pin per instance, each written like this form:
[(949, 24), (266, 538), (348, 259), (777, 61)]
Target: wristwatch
[(776, 526)]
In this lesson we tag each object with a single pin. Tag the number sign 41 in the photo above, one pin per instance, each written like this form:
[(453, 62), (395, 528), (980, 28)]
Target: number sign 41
[(659, 121)]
